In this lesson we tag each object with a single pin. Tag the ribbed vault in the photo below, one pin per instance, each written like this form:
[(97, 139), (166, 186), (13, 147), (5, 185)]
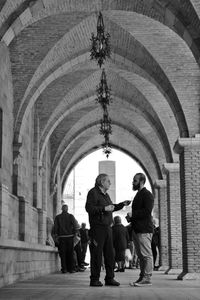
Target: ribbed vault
[(153, 73)]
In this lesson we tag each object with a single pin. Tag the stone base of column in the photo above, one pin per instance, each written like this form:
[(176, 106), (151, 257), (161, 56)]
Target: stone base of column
[(172, 271), (163, 268), (188, 276)]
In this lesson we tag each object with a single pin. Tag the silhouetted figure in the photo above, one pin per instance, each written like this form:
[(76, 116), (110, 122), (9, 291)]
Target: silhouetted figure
[(84, 242), (120, 243)]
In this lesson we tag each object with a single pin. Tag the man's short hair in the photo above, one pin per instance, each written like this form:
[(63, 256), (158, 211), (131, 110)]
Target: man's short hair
[(117, 220), (142, 177), (64, 207), (100, 178)]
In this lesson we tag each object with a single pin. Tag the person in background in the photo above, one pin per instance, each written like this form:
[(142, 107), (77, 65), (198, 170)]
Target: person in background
[(65, 228), (78, 266), (155, 245), (84, 242), (120, 243), (100, 207), (142, 224), (134, 263)]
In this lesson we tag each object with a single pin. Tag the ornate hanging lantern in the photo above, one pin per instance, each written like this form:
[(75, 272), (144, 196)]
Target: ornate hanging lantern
[(106, 130), (103, 91), (105, 126), (107, 149), (100, 48)]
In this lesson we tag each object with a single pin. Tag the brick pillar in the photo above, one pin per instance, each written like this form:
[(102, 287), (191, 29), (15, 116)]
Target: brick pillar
[(174, 217), (23, 219), (189, 150), (42, 226), (161, 186), (3, 211)]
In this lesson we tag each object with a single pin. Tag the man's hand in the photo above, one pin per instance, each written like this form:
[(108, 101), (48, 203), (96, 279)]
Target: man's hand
[(127, 202), (109, 207), (128, 217)]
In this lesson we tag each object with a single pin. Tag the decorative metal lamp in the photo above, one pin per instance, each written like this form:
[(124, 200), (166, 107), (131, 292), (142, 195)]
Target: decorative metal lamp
[(105, 128), (100, 48), (103, 91), (107, 147)]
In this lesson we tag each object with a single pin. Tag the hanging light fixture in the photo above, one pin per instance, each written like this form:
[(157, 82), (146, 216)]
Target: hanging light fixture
[(106, 130), (107, 148), (105, 126), (100, 48), (103, 91)]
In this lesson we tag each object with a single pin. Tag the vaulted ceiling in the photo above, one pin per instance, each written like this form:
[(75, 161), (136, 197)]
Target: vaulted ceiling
[(153, 72)]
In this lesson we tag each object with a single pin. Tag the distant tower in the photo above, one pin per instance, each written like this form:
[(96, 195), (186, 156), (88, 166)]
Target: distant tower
[(108, 167)]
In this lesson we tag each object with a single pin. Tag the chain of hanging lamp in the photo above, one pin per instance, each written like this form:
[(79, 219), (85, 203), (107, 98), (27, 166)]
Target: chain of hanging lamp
[(100, 50)]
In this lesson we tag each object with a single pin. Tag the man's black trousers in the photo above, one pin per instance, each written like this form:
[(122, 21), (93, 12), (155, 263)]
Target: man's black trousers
[(66, 249), (101, 244)]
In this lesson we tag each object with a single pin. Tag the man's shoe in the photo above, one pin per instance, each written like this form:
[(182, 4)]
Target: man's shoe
[(96, 283), (81, 269), (112, 282), (143, 282), (138, 280), (85, 263)]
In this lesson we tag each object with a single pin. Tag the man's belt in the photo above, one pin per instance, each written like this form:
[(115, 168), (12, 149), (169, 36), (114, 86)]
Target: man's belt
[(68, 235)]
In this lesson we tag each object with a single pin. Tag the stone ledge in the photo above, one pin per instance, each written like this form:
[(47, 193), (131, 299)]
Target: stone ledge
[(12, 244)]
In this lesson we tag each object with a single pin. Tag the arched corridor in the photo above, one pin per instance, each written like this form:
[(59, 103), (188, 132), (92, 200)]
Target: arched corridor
[(50, 119)]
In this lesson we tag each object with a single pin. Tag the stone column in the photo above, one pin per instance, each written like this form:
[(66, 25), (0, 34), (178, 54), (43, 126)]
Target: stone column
[(42, 226), (161, 186), (17, 158), (4, 201), (23, 219), (174, 217), (189, 150)]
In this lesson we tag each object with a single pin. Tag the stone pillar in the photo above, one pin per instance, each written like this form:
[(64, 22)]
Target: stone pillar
[(42, 226), (174, 217), (163, 223), (189, 150), (17, 158), (23, 219), (4, 211), (59, 190)]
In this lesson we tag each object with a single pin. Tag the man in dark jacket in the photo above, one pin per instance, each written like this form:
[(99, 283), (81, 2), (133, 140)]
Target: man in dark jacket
[(100, 207), (142, 225), (65, 227)]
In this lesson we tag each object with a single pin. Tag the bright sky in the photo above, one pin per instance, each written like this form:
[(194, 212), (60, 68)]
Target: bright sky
[(86, 172)]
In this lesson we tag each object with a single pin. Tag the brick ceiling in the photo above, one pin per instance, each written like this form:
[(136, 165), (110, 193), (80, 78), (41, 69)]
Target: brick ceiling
[(153, 72)]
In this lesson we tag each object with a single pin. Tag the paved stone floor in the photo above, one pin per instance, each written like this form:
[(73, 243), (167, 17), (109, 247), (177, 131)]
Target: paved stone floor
[(76, 286)]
